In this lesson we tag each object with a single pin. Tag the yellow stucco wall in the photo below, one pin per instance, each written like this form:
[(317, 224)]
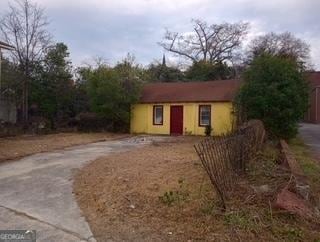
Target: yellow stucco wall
[(221, 118)]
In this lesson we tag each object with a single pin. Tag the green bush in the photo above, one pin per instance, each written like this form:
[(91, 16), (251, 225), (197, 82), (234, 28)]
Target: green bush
[(111, 96), (206, 71), (275, 92), (208, 130), (91, 122)]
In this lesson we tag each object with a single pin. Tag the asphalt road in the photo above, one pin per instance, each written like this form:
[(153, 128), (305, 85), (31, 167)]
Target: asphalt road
[(310, 133)]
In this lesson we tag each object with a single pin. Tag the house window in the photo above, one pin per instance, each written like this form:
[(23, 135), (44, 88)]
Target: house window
[(158, 115), (204, 115)]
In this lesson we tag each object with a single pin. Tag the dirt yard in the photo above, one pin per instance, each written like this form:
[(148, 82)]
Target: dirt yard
[(161, 193), (19, 146), (125, 198)]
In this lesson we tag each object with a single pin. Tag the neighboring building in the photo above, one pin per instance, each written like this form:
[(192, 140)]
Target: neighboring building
[(313, 114), (8, 110), (185, 108)]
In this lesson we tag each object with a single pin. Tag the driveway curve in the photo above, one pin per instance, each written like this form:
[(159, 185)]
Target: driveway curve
[(36, 191), (310, 133)]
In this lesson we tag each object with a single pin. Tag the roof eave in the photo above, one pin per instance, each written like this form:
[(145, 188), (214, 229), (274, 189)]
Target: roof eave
[(199, 101)]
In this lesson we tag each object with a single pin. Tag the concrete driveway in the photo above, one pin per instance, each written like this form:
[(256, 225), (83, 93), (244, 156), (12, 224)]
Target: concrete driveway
[(36, 191), (310, 133)]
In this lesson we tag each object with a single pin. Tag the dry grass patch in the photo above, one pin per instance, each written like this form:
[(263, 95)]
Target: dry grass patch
[(309, 165), (148, 194), (303, 155), (19, 146), (161, 193)]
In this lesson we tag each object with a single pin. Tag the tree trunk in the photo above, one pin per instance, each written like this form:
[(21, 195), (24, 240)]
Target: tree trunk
[(25, 103)]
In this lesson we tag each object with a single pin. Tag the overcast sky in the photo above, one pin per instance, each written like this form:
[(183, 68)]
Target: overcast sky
[(110, 29)]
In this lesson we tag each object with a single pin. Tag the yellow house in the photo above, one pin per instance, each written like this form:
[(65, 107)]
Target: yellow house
[(185, 108)]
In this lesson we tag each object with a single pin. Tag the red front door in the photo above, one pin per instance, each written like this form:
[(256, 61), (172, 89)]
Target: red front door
[(176, 120)]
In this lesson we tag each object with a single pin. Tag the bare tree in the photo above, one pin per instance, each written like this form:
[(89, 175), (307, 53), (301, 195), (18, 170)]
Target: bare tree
[(211, 43), (24, 27), (283, 44)]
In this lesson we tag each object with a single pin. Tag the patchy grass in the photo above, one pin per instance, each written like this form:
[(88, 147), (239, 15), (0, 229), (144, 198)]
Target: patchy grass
[(310, 167), (176, 196), (240, 220), (174, 200), (265, 169)]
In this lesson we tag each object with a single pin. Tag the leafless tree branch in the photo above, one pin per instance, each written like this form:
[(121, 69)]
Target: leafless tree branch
[(283, 44), (24, 26), (213, 43)]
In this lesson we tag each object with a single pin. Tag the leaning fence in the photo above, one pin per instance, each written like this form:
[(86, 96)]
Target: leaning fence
[(226, 156)]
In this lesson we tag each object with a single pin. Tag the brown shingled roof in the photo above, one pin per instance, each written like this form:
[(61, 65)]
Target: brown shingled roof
[(209, 91)]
